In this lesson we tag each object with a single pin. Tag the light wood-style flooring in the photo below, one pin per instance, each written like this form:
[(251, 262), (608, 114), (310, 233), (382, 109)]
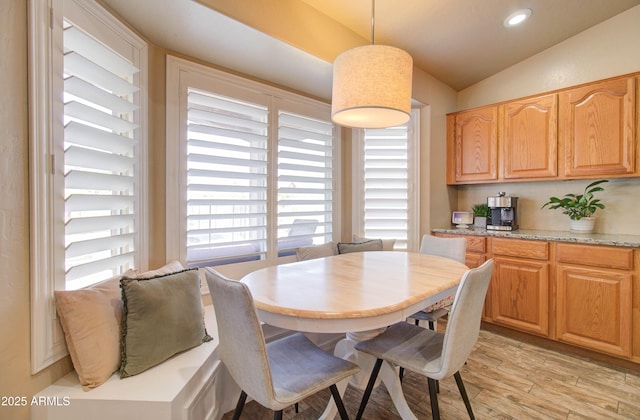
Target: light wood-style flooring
[(505, 379)]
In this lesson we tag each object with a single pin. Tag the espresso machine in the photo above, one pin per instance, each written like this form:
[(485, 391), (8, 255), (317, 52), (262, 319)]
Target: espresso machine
[(504, 212)]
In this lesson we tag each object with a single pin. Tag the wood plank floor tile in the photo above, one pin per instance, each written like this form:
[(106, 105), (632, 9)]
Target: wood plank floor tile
[(633, 378), (576, 399), (619, 389), (483, 377), (520, 405), (630, 411)]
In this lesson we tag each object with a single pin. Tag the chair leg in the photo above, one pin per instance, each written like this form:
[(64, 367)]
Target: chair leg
[(367, 391), (338, 400), (277, 415), (433, 395), (432, 327), (240, 405), (463, 393), (296, 408)]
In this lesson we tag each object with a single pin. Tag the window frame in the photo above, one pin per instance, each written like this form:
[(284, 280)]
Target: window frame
[(182, 74), (46, 148), (413, 210)]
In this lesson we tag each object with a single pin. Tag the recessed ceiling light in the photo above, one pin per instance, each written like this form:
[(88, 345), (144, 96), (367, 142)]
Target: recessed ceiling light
[(516, 18)]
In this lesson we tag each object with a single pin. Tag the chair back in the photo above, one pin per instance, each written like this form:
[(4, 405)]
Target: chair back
[(242, 344), (463, 326), (453, 248)]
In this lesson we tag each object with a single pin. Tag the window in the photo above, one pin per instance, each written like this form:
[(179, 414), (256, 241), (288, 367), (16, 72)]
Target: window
[(305, 182), (256, 167), (87, 152), (226, 178), (386, 177)]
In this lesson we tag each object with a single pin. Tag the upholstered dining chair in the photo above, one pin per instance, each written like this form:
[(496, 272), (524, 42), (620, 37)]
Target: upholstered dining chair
[(453, 248), (430, 353), (275, 374)]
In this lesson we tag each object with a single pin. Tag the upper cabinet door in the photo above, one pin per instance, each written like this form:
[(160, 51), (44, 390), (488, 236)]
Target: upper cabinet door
[(530, 138), (476, 145), (598, 128)]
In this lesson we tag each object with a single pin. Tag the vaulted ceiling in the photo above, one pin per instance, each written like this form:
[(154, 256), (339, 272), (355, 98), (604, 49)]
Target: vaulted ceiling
[(459, 42)]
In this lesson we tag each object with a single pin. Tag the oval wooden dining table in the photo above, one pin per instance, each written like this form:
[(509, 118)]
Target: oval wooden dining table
[(358, 294)]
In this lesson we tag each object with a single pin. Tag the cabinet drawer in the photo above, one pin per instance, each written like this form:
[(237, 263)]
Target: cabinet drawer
[(596, 256), (537, 250), (476, 244)]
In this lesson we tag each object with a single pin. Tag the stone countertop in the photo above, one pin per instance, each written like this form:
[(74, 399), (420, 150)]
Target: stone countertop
[(550, 235)]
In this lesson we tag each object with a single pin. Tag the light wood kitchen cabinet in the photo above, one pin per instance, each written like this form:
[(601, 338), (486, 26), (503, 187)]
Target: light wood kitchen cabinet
[(473, 145), (529, 138), (520, 285), (583, 132), (598, 129), (583, 295), (594, 286)]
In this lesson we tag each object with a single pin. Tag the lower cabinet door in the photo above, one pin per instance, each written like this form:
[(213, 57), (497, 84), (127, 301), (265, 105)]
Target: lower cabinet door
[(520, 294), (594, 308)]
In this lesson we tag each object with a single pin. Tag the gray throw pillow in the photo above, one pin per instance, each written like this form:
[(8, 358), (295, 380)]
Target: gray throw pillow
[(387, 244), (372, 245), (317, 251), (162, 316)]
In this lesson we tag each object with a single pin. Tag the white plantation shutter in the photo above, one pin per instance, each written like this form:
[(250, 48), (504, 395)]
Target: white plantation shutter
[(386, 184), (305, 181), (386, 180), (226, 179), (100, 159)]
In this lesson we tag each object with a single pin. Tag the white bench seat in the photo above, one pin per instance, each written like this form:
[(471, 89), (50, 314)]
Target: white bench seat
[(190, 385)]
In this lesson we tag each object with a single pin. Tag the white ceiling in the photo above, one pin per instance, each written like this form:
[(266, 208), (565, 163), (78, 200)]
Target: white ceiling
[(459, 42)]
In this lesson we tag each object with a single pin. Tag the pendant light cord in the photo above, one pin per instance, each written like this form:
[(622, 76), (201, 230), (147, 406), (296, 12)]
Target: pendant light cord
[(373, 21)]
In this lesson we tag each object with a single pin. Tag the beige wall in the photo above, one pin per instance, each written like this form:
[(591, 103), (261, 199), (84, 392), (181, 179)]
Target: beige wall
[(621, 196), (606, 50), (156, 170), (437, 200)]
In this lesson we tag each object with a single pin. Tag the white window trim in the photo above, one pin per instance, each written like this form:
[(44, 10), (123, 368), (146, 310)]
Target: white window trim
[(47, 270), (179, 71), (413, 228)]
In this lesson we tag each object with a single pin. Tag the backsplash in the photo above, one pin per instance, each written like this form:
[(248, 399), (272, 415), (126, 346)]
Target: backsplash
[(621, 198)]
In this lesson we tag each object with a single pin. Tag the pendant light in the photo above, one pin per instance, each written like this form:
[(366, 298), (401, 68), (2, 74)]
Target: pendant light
[(372, 85)]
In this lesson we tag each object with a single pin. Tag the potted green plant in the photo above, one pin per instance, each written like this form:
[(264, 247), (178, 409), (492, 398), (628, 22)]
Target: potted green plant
[(579, 207), (481, 213)]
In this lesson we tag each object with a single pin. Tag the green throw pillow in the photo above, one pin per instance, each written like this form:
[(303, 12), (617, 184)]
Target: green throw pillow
[(347, 247), (162, 316)]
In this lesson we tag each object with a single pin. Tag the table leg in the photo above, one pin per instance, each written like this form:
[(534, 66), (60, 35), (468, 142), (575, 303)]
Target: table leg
[(388, 375), (391, 380)]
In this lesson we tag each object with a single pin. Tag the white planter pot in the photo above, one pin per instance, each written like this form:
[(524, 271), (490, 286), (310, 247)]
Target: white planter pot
[(584, 225), (480, 222)]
